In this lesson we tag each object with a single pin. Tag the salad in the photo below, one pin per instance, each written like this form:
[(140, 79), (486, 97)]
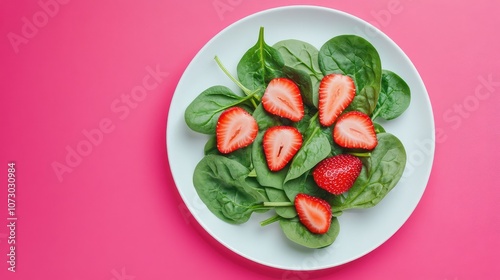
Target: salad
[(301, 137)]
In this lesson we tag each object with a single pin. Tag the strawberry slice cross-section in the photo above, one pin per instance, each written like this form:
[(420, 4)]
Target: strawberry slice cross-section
[(314, 213), (282, 98), (235, 129), (355, 130), (336, 92), (280, 144)]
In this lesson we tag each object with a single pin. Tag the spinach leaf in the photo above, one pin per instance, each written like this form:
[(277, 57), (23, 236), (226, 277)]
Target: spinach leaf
[(302, 56), (259, 65), (304, 184), (299, 234), (381, 172), (242, 155), (202, 114), (222, 185), (394, 97), (335, 148), (276, 195), (378, 128), (315, 148), (265, 177), (309, 120), (211, 146), (264, 119), (302, 80), (306, 121), (354, 56)]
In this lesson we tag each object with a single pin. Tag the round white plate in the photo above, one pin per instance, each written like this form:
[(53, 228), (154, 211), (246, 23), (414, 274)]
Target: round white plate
[(361, 231)]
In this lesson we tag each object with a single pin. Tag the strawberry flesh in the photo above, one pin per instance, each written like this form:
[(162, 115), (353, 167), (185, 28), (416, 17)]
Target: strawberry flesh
[(282, 98), (314, 213), (337, 174), (336, 92), (236, 129), (355, 130), (280, 144)]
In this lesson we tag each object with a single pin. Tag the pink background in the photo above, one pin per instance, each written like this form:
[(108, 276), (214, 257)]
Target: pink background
[(117, 214)]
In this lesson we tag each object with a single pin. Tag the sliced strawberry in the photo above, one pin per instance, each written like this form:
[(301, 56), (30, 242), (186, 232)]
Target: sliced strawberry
[(336, 92), (236, 128), (280, 144), (337, 174), (282, 98), (355, 130), (314, 213)]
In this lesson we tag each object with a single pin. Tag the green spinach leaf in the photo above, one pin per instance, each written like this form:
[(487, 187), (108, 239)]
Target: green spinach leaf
[(259, 65), (315, 148), (264, 119), (299, 234), (276, 195), (378, 128), (202, 114), (222, 185), (394, 98), (243, 155), (303, 82), (335, 148), (304, 184), (306, 121), (356, 57)]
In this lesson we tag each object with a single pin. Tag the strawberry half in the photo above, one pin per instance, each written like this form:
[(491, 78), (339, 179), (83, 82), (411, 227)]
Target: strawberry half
[(280, 144), (235, 129), (314, 213), (337, 174), (336, 92), (355, 130), (282, 98)]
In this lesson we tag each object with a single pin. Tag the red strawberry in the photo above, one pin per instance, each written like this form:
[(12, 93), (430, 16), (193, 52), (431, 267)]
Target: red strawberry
[(355, 130), (314, 213), (336, 92), (282, 98), (337, 174), (280, 144), (236, 128)]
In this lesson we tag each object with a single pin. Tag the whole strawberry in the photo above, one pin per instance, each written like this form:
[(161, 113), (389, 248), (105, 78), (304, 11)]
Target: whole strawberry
[(337, 174)]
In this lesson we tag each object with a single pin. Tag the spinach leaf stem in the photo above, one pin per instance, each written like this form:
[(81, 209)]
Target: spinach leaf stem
[(270, 220)]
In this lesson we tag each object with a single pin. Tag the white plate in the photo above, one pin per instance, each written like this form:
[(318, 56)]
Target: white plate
[(361, 231)]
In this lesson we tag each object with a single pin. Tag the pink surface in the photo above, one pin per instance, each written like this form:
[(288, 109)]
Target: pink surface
[(67, 72)]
